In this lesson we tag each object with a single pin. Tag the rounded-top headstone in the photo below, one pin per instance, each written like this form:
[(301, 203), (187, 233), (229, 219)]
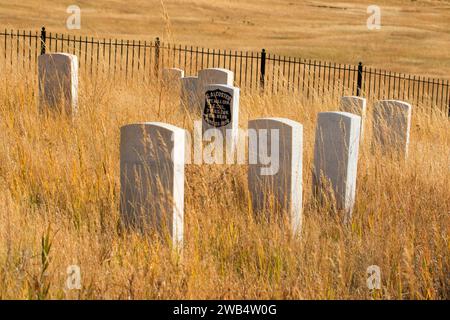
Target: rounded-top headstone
[(336, 157), (355, 105), (280, 174), (391, 125), (58, 81), (152, 177), (214, 76), (172, 75)]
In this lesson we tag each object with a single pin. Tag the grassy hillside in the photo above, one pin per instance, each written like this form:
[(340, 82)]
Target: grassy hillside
[(414, 38)]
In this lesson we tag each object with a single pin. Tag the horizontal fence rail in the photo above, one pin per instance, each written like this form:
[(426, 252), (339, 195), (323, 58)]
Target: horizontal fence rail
[(254, 71)]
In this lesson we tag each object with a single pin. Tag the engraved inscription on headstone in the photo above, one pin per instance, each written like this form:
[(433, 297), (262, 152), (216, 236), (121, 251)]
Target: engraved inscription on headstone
[(217, 110)]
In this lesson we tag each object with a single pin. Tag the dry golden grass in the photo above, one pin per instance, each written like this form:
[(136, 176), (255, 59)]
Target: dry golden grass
[(59, 179), (59, 205), (415, 35)]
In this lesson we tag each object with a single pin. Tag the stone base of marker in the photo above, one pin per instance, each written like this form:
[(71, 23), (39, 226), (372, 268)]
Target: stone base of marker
[(276, 185), (335, 159), (220, 116), (391, 127), (152, 178), (58, 82)]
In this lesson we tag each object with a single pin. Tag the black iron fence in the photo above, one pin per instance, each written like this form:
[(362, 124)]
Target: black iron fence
[(260, 71)]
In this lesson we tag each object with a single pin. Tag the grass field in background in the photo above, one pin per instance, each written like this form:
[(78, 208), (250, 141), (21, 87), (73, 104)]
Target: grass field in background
[(414, 36)]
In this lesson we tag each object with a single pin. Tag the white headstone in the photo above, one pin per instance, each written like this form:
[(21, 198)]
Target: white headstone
[(152, 177), (172, 75), (221, 112), (336, 157), (355, 105), (58, 82), (214, 76), (280, 178), (391, 125), (190, 99)]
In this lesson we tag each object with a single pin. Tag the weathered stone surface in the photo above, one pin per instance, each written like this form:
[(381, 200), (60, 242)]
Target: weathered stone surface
[(58, 82), (152, 177), (391, 126), (190, 99), (214, 76), (336, 157), (172, 75), (275, 167), (355, 105)]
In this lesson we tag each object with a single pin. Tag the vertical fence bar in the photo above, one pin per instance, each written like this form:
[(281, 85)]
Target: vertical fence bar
[(448, 98), (98, 53), (190, 63), (138, 59), (218, 59), (309, 77), (43, 40), (157, 45), (196, 60), (432, 93), (29, 51), (359, 81), (6, 34), (319, 66), (150, 52), (11, 47), (144, 58), (132, 59), (109, 55), (240, 69), (126, 62), (115, 57), (17, 48), (246, 64), (92, 54), (278, 73), (256, 71), (262, 74), (185, 57), (329, 77), (349, 76), (251, 70)]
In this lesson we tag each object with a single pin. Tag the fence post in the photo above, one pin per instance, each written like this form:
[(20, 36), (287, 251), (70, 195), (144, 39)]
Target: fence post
[(262, 76), (359, 84), (43, 39), (157, 46)]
